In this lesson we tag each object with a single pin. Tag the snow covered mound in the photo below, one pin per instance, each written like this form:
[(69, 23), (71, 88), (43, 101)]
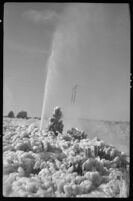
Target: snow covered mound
[(40, 164)]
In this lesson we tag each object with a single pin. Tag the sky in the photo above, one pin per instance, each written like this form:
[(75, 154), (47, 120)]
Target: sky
[(28, 31), (82, 44)]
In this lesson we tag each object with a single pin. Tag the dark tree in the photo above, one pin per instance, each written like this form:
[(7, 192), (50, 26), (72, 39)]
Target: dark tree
[(55, 122), (11, 114), (22, 114)]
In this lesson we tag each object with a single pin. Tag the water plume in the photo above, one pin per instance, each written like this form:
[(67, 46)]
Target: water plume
[(62, 67)]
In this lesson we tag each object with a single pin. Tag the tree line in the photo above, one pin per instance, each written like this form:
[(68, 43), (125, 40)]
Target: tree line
[(22, 114)]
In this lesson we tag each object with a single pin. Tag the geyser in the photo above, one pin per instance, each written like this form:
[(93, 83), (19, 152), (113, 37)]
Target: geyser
[(64, 74), (84, 59)]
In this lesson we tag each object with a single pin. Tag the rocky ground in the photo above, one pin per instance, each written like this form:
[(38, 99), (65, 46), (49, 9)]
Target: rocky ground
[(40, 164)]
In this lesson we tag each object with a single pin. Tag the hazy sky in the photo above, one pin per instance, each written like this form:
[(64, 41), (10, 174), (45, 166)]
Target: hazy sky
[(28, 31), (98, 39)]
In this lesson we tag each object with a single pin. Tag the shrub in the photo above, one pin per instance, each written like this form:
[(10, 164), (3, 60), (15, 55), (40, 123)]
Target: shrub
[(55, 122), (77, 134), (22, 114), (113, 188), (67, 137), (86, 186), (11, 114)]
